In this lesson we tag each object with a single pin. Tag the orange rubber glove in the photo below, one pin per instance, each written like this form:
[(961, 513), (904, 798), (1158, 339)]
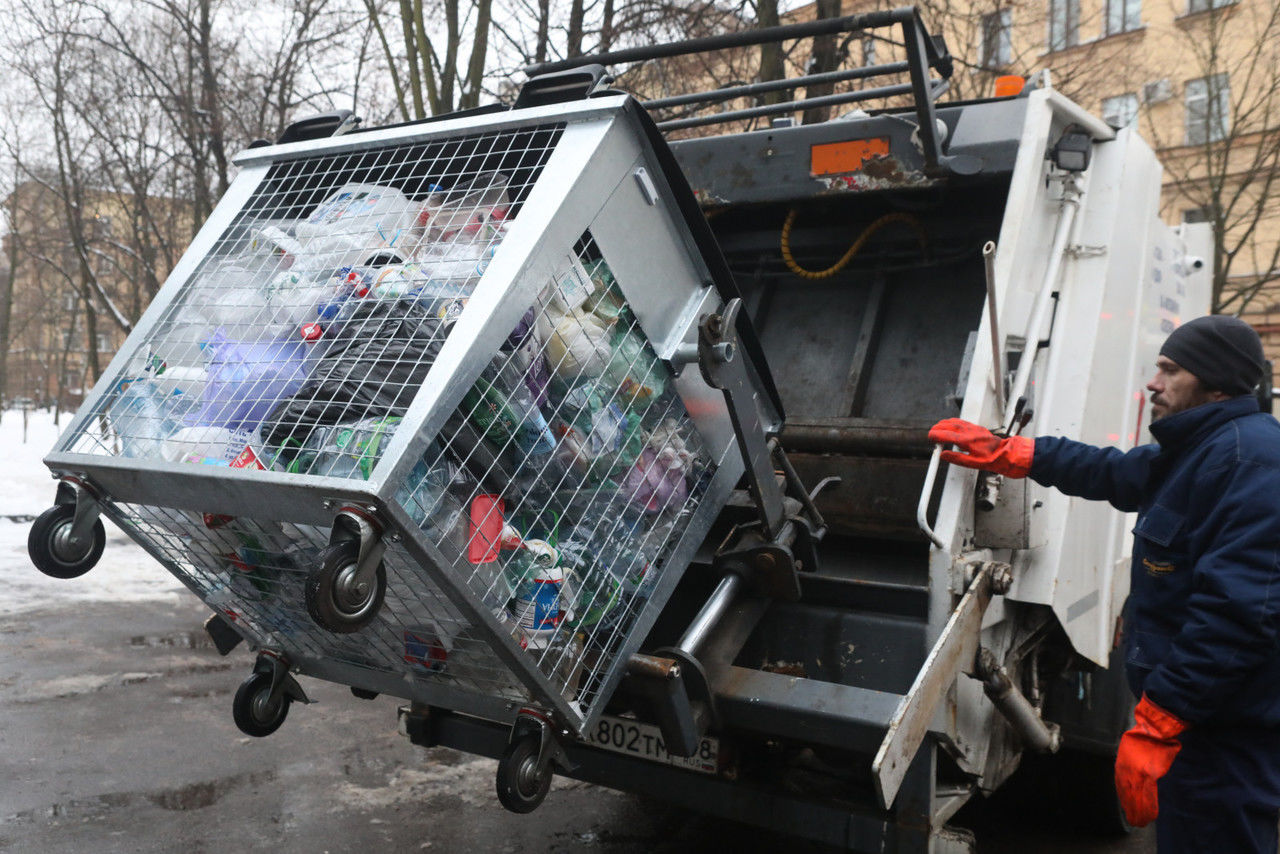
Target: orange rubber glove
[(982, 449), (1145, 754)]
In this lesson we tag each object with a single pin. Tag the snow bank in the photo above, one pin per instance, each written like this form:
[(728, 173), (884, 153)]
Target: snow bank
[(125, 574)]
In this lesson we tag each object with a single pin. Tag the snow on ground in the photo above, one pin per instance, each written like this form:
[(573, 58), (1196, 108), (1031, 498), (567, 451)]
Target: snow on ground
[(125, 573)]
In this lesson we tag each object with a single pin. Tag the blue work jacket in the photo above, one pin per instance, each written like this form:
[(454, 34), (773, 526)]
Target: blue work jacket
[(1201, 628)]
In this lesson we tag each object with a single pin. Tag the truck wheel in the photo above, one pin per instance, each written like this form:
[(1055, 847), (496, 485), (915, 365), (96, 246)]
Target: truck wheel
[(520, 787), (50, 550), (335, 600)]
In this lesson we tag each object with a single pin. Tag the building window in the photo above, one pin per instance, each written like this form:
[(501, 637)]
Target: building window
[(1208, 108), (869, 51), (104, 342), (1120, 111), (1194, 215), (1124, 15), (1194, 6), (1064, 24), (997, 39)]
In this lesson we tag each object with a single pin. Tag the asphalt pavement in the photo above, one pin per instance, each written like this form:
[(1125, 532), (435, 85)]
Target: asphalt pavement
[(116, 735)]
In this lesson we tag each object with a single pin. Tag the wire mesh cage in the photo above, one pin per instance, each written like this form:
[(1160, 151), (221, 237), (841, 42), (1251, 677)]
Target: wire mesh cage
[(464, 333)]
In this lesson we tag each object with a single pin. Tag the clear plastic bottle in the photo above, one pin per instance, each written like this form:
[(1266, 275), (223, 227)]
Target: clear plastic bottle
[(143, 416)]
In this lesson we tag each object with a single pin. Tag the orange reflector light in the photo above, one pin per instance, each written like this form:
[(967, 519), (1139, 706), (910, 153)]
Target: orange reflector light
[(1009, 85), (833, 158)]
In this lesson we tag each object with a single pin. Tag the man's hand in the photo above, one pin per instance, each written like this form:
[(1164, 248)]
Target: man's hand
[(982, 449), (1145, 754)]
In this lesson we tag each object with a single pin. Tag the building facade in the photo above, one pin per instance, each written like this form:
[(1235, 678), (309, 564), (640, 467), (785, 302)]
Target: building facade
[(72, 289)]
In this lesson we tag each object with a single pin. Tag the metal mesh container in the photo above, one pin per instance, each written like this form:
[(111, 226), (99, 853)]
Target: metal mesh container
[(447, 349)]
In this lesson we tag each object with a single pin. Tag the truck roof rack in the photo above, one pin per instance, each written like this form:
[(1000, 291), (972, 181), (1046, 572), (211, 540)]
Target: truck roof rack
[(925, 53)]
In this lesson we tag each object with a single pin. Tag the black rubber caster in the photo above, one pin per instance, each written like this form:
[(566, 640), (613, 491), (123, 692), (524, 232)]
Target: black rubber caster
[(520, 787), (50, 549), (335, 600), (255, 712)]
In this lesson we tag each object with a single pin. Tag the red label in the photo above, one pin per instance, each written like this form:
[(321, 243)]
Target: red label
[(247, 459)]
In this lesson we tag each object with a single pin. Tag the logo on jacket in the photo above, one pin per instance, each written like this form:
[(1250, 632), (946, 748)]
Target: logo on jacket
[(1157, 568)]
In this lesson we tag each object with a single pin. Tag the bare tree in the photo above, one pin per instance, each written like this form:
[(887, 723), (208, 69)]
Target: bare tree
[(7, 278), (129, 122), (434, 80), (827, 54)]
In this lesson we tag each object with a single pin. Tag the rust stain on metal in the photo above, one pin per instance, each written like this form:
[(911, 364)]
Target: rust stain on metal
[(785, 668), (877, 173)]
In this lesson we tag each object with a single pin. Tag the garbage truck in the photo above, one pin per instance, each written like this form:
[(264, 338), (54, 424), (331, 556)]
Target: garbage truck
[(605, 451)]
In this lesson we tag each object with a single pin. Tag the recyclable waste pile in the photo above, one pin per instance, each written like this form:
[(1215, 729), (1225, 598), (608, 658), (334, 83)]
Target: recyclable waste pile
[(555, 488)]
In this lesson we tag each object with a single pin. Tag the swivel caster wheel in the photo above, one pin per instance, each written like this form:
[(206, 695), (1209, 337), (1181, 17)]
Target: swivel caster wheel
[(256, 711), (337, 597), (55, 551), (263, 701), (522, 785)]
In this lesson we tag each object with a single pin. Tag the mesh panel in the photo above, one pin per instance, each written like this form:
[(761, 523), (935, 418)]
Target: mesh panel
[(565, 478), (318, 306), (253, 572)]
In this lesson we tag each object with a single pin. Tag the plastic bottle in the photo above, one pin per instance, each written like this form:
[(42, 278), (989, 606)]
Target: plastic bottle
[(343, 450), (429, 496), (143, 417)]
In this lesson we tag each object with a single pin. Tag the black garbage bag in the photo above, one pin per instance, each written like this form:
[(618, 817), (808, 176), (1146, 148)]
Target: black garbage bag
[(375, 363)]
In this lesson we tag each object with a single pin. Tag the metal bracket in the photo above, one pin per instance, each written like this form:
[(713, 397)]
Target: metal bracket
[(1077, 250), (718, 350), (549, 747), (74, 491), (675, 688), (359, 524), (282, 681)]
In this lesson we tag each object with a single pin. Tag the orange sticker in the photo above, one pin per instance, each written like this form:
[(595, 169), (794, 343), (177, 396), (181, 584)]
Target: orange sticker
[(833, 158)]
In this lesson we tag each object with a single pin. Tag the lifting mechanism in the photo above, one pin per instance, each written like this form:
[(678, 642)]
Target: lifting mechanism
[(758, 561)]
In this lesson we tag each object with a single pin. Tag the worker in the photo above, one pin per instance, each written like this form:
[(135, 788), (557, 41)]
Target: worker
[(1201, 625)]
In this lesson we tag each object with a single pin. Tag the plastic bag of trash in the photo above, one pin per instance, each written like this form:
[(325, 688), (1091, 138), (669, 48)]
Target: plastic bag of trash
[(374, 365)]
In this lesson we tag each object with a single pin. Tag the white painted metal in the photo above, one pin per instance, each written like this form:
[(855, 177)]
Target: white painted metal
[(1104, 281)]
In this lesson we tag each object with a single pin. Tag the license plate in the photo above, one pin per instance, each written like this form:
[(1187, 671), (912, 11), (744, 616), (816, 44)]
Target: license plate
[(644, 741)]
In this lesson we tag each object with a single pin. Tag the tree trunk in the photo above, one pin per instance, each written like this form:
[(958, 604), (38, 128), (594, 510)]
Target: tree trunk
[(573, 38), (544, 29), (479, 50), (771, 53), (823, 59), (606, 27), (6, 294)]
